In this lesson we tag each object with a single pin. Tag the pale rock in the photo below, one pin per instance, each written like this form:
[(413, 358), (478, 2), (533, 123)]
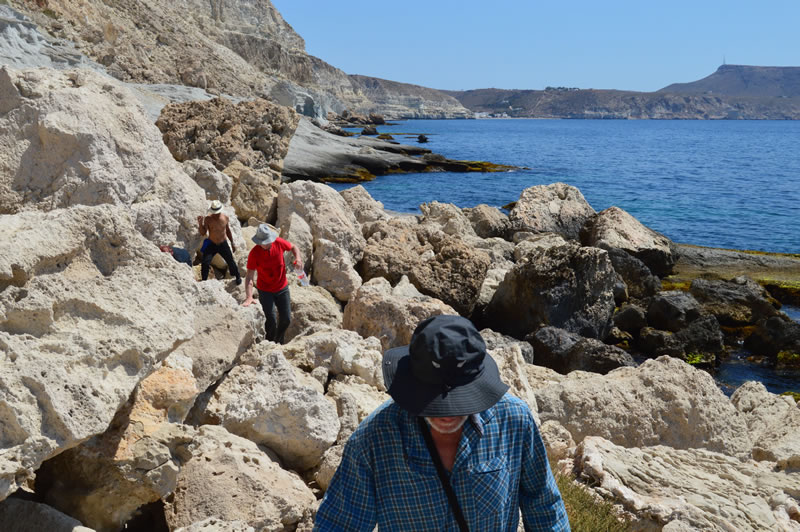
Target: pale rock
[(615, 228), (327, 468), (488, 222), (557, 440), (136, 461), (83, 318), (351, 390), (254, 192), (447, 217), (76, 137), (213, 524), (494, 276), (702, 489), (217, 185), (556, 208), (341, 352), (511, 365), (773, 422), (364, 207), (230, 479), (390, 314), (326, 213), (18, 515), (297, 231), (534, 242), (264, 400), (664, 401), (495, 340), (313, 309), (228, 330), (334, 270)]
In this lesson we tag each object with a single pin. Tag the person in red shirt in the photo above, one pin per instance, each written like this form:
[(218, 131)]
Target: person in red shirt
[(266, 258)]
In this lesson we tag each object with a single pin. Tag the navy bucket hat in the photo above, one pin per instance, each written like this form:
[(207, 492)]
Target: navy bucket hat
[(445, 371)]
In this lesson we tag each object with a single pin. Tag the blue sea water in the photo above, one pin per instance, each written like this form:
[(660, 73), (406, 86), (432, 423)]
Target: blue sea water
[(731, 184)]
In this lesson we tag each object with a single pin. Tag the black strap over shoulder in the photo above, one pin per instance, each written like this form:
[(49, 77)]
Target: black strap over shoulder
[(448, 489)]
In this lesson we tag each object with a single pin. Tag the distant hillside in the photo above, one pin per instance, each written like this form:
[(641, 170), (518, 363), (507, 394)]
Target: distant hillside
[(732, 92), (743, 80)]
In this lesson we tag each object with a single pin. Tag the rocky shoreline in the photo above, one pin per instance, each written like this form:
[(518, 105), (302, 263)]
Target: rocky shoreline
[(130, 393)]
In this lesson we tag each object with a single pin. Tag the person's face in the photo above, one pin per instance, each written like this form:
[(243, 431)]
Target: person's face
[(266, 246), (446, 425)]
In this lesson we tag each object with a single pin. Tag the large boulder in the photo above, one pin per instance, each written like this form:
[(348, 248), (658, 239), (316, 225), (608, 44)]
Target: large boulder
[(266, 401), (690, 489), (774, 423), (78, 138), (254, 192), (565, 286), (229, 478), (334, 270), (735, 303), (365, 208), (83, 318), (446, 217), (136, 461), (615, 228), (390, 313), (19, 515), (217, 185), (557, 208), (639, 280), (313, 309), (488, 222), (673, 310), (775, 336), (565, 352), (255, 132), (662, 402), (439, 265)]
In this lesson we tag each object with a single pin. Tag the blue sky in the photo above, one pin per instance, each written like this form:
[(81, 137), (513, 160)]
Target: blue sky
[(530, 44)]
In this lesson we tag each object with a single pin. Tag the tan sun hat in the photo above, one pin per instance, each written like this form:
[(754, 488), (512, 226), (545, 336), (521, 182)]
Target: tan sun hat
[(216, 206)]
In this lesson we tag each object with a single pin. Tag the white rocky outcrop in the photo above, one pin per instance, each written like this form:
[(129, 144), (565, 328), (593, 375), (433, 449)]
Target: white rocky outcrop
[(557, 208), (390, 313), (313, 309), (334, 270), (701, 489), (662, 402), (266, 401)]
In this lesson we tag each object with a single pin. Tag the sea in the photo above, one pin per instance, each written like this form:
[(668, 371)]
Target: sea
[(719, 183)]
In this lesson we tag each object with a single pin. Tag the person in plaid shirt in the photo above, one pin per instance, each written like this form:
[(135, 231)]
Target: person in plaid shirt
[(487, 447)]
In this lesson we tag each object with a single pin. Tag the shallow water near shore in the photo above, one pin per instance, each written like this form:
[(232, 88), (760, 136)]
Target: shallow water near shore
[(727, 184)]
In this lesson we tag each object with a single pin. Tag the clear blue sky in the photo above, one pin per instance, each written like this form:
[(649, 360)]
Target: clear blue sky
[(530, 44)]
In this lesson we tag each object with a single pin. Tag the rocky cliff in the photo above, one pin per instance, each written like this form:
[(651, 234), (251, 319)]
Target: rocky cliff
[(236, 47), (732, 92)]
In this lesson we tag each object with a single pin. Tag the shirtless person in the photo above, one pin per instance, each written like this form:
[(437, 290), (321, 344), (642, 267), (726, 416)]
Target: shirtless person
[(217, 228)]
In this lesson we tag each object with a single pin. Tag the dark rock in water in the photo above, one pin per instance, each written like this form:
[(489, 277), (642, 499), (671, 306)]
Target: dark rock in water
[(422, 139), (638, 278), (617, 336), (673, 310), (735, 303), (653, 343), (701, 338), (620, 291), (376, 119), (630, 318), (563, 352), (565, 286), (369, 130), (773, 336)]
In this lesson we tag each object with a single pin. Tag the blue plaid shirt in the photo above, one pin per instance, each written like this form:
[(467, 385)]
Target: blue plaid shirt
[(387, 476)]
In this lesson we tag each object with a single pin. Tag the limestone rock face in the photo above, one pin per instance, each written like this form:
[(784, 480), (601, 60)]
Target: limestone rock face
[(701, 489), (326, 213), (313, 309), (446, 217), (83, 318), (662, 402), (256, 133), (566, 286), (557, 208), (488, 222), (774, 423), (230, 479), (264, 401), (615, 228), (365, 208), (390, 314), (217, 185), (255, 192), (78, 138), (106, 479), (439, 265), (740, 301), (21, 515), (334, 270)]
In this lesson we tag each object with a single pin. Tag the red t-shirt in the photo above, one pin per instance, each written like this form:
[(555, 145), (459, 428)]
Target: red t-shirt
[(270, 265)]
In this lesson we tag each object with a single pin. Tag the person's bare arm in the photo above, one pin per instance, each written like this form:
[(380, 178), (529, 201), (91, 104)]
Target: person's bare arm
[(230, 236), (201, 225), (248, 288), (298, 259)]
